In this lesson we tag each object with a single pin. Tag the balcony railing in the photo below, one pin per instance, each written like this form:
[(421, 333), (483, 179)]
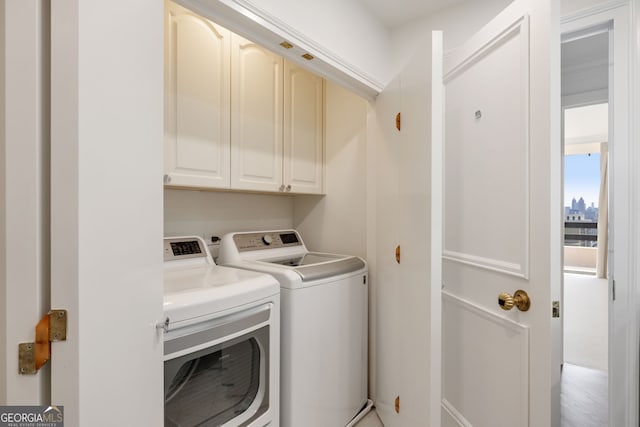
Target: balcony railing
[(581, 234)]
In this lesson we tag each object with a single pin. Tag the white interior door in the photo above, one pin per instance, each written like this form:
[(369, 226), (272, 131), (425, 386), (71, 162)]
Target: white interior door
[(501, 222), (106, 210)]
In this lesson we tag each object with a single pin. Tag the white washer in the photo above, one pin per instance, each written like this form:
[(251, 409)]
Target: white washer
[(323, 325), (221, 341)]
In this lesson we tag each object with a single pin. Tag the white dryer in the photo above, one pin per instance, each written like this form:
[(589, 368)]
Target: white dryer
[(323, 325), (221, 341)]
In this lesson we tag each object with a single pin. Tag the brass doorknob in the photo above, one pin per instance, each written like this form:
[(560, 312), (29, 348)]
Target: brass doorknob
[(520, 299)]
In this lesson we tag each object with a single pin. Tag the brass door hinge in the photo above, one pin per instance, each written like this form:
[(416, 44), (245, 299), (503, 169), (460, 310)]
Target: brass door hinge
[(398, 121), (397, 405), (398, 254), (34, 355)]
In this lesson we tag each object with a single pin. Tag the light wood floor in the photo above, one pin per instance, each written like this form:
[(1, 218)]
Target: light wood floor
[(583, 397)]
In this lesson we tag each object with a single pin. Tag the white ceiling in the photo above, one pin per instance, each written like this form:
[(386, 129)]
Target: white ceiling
[(592, 50), (393, 13), (585, 65)]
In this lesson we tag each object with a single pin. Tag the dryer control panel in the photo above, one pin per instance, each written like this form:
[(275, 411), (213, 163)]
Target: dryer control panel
[(177, 248), (266, 240)]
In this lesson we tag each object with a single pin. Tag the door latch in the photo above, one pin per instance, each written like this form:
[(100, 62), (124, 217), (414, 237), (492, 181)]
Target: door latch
[(555, 309), (34, 355)]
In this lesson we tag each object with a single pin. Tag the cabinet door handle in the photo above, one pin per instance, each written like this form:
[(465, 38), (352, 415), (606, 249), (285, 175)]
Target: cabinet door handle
[(289, 187), (282, 187)]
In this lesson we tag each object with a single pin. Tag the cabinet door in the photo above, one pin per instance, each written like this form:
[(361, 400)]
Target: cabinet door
[(197, 91), (303, 130), (256, 117)]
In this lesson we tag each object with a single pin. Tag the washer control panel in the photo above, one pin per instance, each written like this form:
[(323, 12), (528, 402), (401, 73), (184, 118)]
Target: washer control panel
[(266, 240)]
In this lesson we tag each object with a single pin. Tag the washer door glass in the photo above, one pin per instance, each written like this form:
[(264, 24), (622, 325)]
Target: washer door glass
[(216, 385)]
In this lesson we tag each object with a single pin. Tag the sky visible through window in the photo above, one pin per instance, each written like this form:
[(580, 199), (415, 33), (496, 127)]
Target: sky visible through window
[(582, 178)]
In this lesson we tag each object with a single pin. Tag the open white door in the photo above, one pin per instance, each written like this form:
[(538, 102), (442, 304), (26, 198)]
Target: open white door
[(501, 221), (106, 211)]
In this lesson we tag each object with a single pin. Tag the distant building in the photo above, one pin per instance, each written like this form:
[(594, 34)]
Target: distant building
[(591, 213), (574, 217), (578, 212), (581, 205)]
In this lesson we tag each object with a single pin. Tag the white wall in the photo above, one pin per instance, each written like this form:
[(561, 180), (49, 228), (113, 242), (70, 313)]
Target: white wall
[(586, 321), (345, 28), (586, 125), (210, 212), (580, 258), (457, 22), (348, 44), (337, 222)]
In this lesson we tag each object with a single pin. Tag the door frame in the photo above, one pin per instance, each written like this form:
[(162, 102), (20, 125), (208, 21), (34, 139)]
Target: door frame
[(437, 208), (623, 370), (24, 193)]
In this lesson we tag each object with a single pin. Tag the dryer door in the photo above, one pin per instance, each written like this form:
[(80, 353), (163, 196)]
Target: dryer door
[(221, 385)]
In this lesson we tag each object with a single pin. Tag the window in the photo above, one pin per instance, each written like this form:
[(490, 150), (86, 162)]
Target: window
[(582, 193)]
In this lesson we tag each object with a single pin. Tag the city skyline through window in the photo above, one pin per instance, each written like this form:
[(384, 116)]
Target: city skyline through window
[(582, 180), (581, 199)]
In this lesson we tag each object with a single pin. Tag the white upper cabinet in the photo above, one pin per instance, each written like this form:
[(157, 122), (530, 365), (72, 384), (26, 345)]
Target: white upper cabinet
[(276, 123), (197, 97), (303, 130), (237, 116), (256, 117)]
